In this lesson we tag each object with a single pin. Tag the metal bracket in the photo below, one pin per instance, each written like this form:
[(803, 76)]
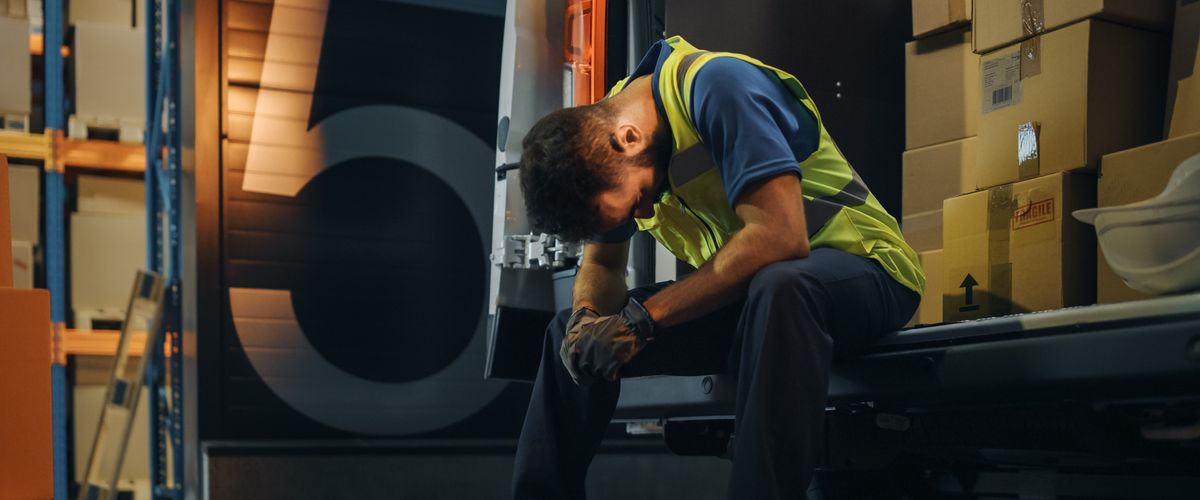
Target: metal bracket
[(536, 251)]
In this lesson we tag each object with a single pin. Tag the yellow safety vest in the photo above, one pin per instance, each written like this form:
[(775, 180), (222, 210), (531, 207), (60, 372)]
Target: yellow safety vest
[(694, 218)]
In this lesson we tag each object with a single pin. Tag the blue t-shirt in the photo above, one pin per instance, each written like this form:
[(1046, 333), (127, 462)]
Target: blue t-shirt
[(752, 125)]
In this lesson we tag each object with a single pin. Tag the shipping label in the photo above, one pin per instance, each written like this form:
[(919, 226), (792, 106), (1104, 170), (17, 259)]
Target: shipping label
[(1001, 81)]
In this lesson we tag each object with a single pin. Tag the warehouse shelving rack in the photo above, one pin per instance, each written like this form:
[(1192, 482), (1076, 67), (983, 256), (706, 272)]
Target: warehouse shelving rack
[(164, 252)]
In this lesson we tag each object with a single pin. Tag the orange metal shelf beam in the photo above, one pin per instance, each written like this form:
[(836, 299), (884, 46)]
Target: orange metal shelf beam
[(100, 342), (102, 155)]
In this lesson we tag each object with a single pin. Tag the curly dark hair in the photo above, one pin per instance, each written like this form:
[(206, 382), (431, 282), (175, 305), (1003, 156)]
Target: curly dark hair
[(564, 166)]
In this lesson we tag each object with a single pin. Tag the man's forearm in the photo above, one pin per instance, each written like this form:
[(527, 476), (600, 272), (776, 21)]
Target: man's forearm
[(723, 279), (600, 289)]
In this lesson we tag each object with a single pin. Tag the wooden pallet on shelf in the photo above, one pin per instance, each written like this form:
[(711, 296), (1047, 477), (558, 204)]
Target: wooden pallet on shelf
[(100, 342), (76, 153), (22, 145), (102, 155)]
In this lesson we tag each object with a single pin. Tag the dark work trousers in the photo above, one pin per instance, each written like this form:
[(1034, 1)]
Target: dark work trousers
[(780, 342)]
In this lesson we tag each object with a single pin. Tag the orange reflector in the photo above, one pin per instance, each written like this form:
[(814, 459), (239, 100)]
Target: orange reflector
[(36, 43)]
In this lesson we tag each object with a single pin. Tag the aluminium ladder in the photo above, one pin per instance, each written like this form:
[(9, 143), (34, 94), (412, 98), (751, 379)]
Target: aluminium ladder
[(144, 314)]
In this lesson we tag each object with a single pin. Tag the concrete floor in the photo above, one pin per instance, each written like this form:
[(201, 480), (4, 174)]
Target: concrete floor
[(447, 474)]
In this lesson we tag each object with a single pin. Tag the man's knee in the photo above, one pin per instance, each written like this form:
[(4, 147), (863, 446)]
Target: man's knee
[(557, 329)]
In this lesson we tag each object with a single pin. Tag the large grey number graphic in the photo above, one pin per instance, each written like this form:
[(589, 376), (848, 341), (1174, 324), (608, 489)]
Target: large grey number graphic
[(283, 156)]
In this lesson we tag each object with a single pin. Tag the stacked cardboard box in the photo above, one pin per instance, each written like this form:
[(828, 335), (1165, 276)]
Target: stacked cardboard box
[(113, 12), (16, 82), (1015, 248), (931, 175), (1141, 173), (26, 464), (1061, 100), (24, 188), (941, 92), (109, 63), (930, 310), (13, 8), (108, 246), (1135, 175), (935, 16), (1054, 97), (1183, 80), (1000, 23)]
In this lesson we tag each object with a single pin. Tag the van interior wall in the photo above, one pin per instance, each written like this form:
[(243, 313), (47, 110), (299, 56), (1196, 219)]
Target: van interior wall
[(850, 60)]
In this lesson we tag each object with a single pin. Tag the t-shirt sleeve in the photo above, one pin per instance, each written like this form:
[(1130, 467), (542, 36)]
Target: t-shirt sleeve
[(619, 234), (752, 125)]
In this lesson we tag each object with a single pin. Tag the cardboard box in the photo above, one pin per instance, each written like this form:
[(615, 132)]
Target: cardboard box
[(1183, 79), (933, 16), (114, 12), (1067, 98), (998, 23), (17, 8), (106, 251), (6, 264), (25, 202), (935, 173), (22, 266), (1016, 248), (99, 194), (941, 89), (1135, 175), (16, 85), (930, 311), (110, 71), (12, 8), (33, 11), (923, 231), (25, 431), (931, 175)]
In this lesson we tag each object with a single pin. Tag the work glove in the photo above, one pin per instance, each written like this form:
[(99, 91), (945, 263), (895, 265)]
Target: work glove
[(580, 317), (597, 347)]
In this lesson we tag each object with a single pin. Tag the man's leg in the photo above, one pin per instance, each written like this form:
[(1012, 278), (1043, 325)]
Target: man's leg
[(565, 422), (797, 314), (563, 427)]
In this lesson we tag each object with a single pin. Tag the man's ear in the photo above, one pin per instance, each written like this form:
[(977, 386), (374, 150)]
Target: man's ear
[(626, 139)]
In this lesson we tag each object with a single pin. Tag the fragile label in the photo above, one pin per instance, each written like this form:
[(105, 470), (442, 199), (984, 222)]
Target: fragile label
[(1001, 82), (1033, 214)]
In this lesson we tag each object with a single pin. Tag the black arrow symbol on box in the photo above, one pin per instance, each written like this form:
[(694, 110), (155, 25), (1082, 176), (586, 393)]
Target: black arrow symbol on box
[(969, 283)]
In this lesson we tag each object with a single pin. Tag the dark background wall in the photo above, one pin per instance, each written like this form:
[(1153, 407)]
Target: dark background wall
[(849, 55)]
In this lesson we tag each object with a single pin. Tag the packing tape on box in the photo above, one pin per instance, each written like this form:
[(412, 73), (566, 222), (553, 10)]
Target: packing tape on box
[(1031, 57), (1029, 164), (1033, 17), (1001, 206)]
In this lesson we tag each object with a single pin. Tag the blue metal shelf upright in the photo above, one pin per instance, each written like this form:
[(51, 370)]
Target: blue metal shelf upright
[(53, 28), (163, 245)]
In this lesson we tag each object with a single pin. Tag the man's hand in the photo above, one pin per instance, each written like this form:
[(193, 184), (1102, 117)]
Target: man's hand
[(597, 347), (582, 316)]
